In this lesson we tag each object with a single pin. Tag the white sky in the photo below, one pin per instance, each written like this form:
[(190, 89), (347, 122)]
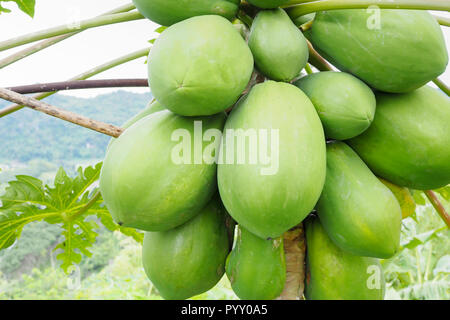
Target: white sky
[(85, 50)]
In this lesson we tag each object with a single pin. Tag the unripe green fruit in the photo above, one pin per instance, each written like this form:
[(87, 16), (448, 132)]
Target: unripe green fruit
[(393, 50), (345, 104), (268, 4), (199, 66), (278, 46), (141, 184), (190, 259), (408, 142), (168, 12), (256, 267)]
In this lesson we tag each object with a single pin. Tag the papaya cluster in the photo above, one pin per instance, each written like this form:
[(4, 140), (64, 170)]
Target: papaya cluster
[(333, 135)]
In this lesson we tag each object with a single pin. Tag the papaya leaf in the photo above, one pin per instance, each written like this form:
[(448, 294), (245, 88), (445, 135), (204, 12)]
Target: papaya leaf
[(419, 197), (419, 239), (26, 6), (75, 204), (404, 198)]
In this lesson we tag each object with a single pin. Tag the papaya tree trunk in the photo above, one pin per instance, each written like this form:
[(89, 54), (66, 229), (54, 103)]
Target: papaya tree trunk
[(294, 249)]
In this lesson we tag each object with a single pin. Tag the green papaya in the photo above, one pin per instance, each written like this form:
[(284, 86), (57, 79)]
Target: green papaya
[(408, 141), (333, 274), (152, 107), (256, 267), (392, 50), (360, 214), (168, 12), (271, 183), (345, 104), (190, 259), (268, 4), (199, 66), (278, 46), (145, 186)]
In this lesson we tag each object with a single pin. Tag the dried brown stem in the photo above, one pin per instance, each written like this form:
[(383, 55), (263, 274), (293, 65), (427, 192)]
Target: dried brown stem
[(61, 114), (79, 84)]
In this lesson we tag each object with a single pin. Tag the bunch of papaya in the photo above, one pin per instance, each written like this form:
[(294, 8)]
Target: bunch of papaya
[(248, 140)]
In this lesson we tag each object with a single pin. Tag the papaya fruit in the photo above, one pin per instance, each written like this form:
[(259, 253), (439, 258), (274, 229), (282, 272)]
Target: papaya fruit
[(168, 12), (345, 104), (279, 48), (141, 182), (199, 66), (272, 159), (190, 259), (408, 141), (359, 213), (397, 52), (152, 107), (333, 274), (268, 4), (256, 267)]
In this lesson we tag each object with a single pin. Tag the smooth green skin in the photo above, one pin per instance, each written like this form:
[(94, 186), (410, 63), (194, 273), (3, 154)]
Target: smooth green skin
[(268, 4), (141, 185), (269, 205), (278, 46), (168, 12), (256, 267), (408, 142), (152, 107), (199, 66), (190, 259), (407, 52), (345, 104), (360, 214), (333, 274)]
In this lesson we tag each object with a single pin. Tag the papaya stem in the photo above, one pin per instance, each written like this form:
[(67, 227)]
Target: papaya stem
[(323, 5), (69, 116), (294, 250), (438, 206), (85, 75), (65, 29), (245, 18), (308, 69), (443, 21), (79, 84), (49, 42), (441, 85), (317, 60)]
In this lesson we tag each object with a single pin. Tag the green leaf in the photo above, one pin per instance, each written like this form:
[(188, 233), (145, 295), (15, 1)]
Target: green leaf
[(26, 6), (422, 238), (419, 197), (72, 203)]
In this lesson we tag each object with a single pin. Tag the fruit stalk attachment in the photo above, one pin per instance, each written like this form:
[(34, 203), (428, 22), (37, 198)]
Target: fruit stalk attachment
[(438, 206), (61, 114)]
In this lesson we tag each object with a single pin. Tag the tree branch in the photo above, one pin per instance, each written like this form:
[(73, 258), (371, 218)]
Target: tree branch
[(60, 113), (442, 21), (79, 84), (317, 60), (49, 42), (441, 85), (309, 7), (65, 29), (438, 206), (85, 75)]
